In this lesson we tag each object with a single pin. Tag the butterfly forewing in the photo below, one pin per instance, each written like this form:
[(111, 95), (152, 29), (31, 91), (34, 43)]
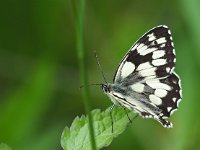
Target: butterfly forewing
[(152, 56)]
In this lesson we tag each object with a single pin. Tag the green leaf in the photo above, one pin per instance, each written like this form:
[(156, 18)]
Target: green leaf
[(77, 136), (4, 147)]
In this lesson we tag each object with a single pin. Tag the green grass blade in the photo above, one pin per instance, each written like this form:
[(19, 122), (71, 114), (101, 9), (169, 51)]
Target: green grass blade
[(78, 7)]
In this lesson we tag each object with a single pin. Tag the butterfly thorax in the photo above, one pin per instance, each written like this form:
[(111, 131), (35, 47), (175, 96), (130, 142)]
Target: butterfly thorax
[(108, 89), (116, 92)]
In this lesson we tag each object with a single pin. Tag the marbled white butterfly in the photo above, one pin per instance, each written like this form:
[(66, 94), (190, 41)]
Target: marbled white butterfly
[(145, 81)]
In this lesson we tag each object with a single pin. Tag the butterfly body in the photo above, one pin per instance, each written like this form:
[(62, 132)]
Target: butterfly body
[(145, 81)]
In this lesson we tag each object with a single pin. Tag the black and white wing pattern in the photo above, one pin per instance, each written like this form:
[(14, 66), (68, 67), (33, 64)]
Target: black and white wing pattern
[(152, 56), (147, 71)]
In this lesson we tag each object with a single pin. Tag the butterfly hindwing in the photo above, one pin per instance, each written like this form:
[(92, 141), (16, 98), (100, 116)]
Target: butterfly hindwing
[(158, 98), (170, 102), (152, 56)]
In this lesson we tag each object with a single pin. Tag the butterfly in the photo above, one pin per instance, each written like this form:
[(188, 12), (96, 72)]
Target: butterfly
[(145, 81)]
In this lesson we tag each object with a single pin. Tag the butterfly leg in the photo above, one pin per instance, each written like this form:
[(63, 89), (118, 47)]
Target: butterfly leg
[(135, 117), (127, 115), (111, 108)]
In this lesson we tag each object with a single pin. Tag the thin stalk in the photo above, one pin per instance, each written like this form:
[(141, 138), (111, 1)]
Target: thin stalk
[(78, 7)]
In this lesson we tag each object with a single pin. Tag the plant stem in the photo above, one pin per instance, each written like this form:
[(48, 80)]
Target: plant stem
[(78, 7)]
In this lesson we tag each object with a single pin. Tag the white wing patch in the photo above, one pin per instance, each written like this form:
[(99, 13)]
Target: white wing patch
[(127, 69), (161, 40), (155, 84), (169, 108), (154, 99), (147, 51), (174, 99), (143, 66), (159, 62), (147, 72), (151, 37), (168, 69), (138, 87), (160, 93), (158, 54), (141, 47), (134, 47), (162, 45)]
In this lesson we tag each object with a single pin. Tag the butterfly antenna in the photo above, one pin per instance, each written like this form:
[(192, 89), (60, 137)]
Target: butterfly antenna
[(97, 60), (89, 85)]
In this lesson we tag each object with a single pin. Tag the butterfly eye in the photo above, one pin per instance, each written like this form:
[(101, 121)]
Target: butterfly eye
[(105, 88)]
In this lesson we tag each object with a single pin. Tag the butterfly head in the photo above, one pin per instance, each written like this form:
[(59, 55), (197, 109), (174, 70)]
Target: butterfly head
[(106, 88)]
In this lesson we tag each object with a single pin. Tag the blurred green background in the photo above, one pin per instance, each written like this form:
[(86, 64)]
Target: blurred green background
[(39, 75)]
